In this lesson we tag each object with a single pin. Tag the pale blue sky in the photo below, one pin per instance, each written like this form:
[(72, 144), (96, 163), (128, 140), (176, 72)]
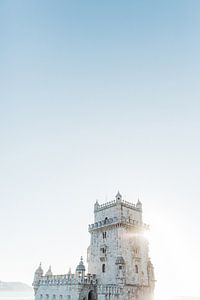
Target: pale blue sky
[(98, 96)]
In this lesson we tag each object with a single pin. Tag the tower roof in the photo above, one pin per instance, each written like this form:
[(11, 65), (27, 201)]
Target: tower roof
[(139, 204), (39, 270), (49, 272), (80, 266)]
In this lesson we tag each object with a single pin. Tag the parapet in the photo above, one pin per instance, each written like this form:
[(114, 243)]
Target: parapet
[(66, 279), (118, 200)]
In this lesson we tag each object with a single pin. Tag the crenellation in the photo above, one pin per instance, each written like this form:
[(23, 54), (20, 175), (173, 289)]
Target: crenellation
[(105, 205), (99, 207)]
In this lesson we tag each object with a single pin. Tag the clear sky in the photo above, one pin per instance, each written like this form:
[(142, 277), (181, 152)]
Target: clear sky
[(98, 96)]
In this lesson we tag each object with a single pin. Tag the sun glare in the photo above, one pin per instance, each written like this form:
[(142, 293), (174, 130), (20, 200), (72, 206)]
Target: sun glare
[(168, 251)]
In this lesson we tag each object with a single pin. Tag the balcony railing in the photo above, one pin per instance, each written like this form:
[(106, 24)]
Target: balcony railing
[(115, 221)]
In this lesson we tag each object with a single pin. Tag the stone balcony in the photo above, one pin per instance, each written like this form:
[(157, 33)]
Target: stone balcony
[(118, 221)]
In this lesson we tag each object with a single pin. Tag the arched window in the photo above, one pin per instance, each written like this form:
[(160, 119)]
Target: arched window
[(103, 268), (136, 268)]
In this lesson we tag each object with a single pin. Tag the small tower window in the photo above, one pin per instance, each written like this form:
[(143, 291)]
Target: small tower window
[(136, 269), (104, 250), (103, 268), (104, 235)]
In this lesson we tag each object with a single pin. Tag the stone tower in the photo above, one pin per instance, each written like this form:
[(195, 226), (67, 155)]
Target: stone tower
[(118, 253), (119, 267)]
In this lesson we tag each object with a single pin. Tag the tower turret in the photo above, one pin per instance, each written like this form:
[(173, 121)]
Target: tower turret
[(49, 272), (139, 205), (118, 197), (38, 272), (38, 275), (96, 205), (80, 269), (118, 253)]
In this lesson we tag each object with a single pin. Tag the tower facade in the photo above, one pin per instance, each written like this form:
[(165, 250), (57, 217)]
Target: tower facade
[(119, 253), (119, 267)]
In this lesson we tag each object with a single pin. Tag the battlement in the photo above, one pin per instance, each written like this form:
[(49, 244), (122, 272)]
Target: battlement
[(118, 200), (118, 221), (104, 205), (66, 279)]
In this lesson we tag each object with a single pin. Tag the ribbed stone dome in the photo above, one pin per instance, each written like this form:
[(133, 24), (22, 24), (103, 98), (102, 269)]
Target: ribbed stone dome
[(49, 272), (80, 266), (39, 270)]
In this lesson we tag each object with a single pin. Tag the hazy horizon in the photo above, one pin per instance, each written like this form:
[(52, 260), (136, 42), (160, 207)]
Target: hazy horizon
[(96, 98)]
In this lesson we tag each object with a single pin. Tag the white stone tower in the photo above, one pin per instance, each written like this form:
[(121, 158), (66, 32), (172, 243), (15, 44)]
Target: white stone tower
[(118, 253), (119, 267)]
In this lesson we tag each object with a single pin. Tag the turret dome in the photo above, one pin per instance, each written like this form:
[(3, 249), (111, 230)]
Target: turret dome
[(80, 267), (39, 270), (49, 272), (139, 204)]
